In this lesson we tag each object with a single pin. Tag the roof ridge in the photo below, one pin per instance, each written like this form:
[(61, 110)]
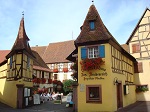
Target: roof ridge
[(62, 41)]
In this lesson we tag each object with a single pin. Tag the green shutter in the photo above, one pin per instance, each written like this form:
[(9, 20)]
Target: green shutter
[(83, 52), (102, 51)]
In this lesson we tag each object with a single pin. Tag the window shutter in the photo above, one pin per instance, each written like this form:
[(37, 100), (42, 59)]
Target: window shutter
[(102, 51), (140, 67), (136, 67), (133, 48), (83, 52)]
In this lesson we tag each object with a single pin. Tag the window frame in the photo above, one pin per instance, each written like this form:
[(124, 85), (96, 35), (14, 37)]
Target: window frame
[(93, 100), (92, 54), (11, 62), (136, 48), (92, 25), (28, 62)]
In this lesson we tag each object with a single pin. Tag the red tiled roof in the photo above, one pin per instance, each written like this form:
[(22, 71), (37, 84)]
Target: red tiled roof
[(39, 49), (57, 52), (125, 47), (38, 62), (41, 68), (3, 53)]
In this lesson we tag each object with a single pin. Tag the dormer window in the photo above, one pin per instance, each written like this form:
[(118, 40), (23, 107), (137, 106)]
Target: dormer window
[(92, 25)]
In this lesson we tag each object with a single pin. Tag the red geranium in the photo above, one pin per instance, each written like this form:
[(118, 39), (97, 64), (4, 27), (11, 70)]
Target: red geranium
[(65, 69), (49, 81), (90, 64), (55, 70)]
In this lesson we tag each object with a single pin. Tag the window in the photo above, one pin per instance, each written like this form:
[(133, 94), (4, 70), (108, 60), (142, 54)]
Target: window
[(28, 62), (93, 93), (136, 48), (93, 52), (140, 67), (55, 76), (92, 25), (11, 60)]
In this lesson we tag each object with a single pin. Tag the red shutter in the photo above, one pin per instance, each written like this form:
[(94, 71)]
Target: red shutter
[(136, 48), (133, 48)]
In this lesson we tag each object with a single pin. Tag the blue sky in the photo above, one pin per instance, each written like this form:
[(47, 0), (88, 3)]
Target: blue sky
[(48, 21)]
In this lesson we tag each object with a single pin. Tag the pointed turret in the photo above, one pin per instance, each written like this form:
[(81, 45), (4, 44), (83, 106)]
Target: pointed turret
[(93, 29), (21, 42)]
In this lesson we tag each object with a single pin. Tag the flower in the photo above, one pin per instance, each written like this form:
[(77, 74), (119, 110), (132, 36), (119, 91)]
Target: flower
[(55, 81), (55, 70), (49, 81), (90, 64), (36, 80), (65, 69), (43, 80)]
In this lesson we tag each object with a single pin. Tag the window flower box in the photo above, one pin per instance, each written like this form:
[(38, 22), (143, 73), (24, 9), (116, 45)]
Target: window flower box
[(141, 88), (55, 81), (50, 81), (55, 70), (36, 80), (65, 69), (91, 64), (43, 80)]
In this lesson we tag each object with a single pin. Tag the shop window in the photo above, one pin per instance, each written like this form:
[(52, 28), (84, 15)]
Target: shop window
[(93, 94), (93, 52), (92, 25), (136, 48)]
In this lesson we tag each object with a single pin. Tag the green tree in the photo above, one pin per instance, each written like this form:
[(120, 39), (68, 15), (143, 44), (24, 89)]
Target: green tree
[(67, 85)]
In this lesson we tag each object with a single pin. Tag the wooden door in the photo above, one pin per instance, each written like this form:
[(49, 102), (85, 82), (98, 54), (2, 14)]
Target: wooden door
[(19, 96), (119, 96)]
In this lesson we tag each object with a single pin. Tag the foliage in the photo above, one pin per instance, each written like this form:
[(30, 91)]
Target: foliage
[(67, 85), (141, 89), (90, 64), (74, 67)]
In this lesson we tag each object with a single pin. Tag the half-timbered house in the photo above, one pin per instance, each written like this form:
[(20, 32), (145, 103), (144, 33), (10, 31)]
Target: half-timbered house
[(17, 67), (139, 47), (105, 69)]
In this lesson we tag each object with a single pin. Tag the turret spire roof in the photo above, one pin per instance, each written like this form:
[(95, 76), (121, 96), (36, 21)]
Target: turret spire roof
[(100, 33), (22, 39)]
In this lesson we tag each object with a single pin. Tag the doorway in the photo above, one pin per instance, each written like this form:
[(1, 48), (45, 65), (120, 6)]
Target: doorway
[(119, 96)]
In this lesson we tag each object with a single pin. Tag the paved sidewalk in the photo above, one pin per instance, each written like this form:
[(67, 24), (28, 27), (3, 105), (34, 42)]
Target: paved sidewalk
[(140, 106)]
